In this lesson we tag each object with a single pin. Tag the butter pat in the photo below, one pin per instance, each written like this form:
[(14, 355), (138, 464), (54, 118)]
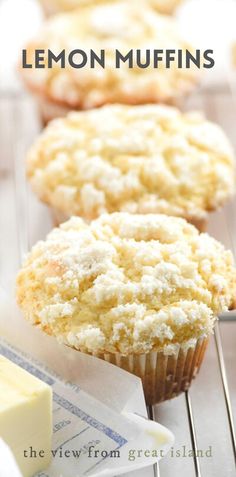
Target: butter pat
[(25, 417)]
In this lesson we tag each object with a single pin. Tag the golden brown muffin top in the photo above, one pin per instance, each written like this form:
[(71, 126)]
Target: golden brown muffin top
[(110, 27), (139, 159), (127, 283)]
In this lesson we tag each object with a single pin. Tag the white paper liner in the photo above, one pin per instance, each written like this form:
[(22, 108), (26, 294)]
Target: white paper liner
[(163, 376)]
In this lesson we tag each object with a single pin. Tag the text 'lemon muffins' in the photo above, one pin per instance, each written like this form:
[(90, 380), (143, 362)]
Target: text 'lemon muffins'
[(54, 6), (109, 27), (137, 159), (141, 291)]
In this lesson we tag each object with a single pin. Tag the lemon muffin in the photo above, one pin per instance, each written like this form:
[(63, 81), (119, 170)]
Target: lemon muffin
[(141, 291), (54, 6), (111, 28), (137, 159)]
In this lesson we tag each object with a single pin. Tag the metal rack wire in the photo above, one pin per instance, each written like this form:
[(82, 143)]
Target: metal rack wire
[(207, 100)]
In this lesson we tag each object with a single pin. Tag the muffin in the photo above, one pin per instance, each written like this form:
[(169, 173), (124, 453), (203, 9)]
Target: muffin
[(54, 6), (140, 291), (118, 26), (136, 159)]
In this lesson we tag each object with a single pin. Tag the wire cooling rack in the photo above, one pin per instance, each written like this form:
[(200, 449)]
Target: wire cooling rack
[(201, 419)]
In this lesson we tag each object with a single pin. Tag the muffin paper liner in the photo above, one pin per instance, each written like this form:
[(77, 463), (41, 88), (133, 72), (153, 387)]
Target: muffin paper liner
[(58, 217), (163, 376), (49, 110)]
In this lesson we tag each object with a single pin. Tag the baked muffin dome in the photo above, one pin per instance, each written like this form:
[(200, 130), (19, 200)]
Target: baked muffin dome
[(54, 6), (121, 26), (140, 159), (126, 283)]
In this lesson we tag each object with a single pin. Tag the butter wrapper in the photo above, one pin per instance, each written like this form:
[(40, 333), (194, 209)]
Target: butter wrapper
[(99, 414)]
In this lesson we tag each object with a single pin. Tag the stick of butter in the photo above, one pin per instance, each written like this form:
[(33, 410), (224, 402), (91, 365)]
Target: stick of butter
[(25, 417)]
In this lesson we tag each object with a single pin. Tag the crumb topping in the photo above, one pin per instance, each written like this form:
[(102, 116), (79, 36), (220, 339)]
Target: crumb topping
[(163, 6), (126, 283), (110, 27), (140, 159)]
